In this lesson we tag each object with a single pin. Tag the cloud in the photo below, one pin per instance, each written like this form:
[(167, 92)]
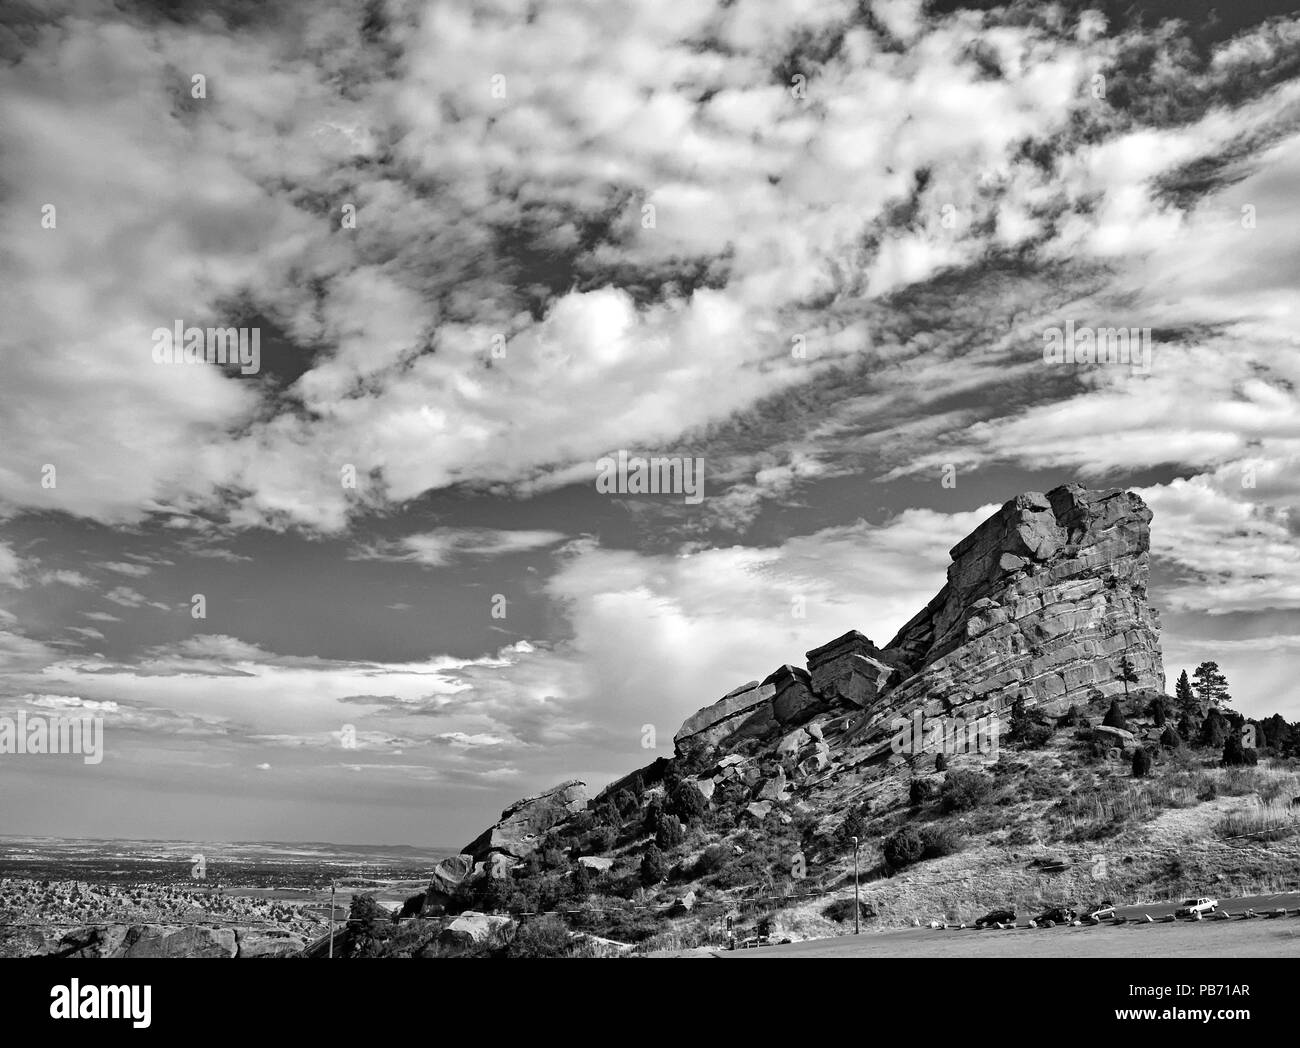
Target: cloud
[(443, 545)]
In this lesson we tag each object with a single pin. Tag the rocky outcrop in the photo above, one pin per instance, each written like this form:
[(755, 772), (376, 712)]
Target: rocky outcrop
[(521, 825), (1042, 602)]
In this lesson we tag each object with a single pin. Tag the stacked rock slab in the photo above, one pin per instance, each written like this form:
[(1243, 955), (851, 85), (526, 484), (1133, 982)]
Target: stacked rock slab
[(1043, 600), (749, 706), (850, 669)]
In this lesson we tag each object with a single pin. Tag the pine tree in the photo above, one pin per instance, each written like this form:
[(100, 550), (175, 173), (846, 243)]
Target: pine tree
[(1127, 674), (1211, 685), (1141, 763), (1183, 694), (1115, 717)]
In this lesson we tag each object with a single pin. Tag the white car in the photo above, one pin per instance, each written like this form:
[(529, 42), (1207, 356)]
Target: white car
[(1102, 913), (1191, 907)]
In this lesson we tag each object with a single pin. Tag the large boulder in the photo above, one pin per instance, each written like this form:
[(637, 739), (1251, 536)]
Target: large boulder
[(451, 873), (471, 932), (793, 697), (522, 824), (850, 669)]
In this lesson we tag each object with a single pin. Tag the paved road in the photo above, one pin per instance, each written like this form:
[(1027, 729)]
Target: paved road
[(1265, 937)]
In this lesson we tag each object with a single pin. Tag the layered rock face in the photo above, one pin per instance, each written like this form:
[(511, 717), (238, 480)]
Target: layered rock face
[(1043, 601)]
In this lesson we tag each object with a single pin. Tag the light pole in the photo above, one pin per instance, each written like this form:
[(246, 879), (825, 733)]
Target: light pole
[(331, 920), (857, 906)]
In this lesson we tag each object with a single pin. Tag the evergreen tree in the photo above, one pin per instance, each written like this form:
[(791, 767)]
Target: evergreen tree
[(653, 867), (1183, 696), (1214, 730), (1170, 739), (1159, 713), (1141, 762), (1233, 754), (1127, 674), (1115, 717), (1211, 685)]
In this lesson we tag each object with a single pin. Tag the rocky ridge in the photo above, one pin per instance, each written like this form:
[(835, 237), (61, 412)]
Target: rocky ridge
[(1042, 602)]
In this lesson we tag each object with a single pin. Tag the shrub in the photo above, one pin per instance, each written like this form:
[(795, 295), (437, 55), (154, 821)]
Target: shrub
[(670, 833), (712, 859), (938, 841), (903, 847), (653, 867), (653, 813), (1233, 753), (1214, 730), (687, 803), (1170, 739), (581, 882), (919, 792), (1036, 736), (544, 936), (1115, 717), (624, 803), (963, 790), (841, 910), (940, 762), (1141, 763)]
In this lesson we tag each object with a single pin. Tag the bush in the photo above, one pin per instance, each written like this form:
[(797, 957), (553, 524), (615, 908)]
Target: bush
[(841, 910), (1141, 763), (963, 790), (940, 762), (670, 833), (1170, 739), (712, 859), (653, 867), (687, 803), (938, 841), (1115, 717), (903, 847), (545, 936), (624, 803), (919, 792), (1234, 756), (653, 813)]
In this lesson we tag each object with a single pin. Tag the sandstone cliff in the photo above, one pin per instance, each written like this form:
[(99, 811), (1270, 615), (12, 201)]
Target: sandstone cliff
[(1043, 601)]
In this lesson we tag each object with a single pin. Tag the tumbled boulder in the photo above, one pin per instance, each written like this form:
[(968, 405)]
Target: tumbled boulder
[(850, 669), (473, 931), (793, 696)]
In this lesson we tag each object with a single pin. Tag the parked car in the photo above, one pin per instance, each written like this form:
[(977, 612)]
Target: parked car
[(1191, 907), (1055, 915), (996, 917), (1104, 911)]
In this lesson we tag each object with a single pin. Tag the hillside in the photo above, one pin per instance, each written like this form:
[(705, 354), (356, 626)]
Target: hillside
[(1012, 744)]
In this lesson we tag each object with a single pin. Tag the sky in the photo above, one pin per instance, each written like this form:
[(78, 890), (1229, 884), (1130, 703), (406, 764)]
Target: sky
[(373, 592)]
